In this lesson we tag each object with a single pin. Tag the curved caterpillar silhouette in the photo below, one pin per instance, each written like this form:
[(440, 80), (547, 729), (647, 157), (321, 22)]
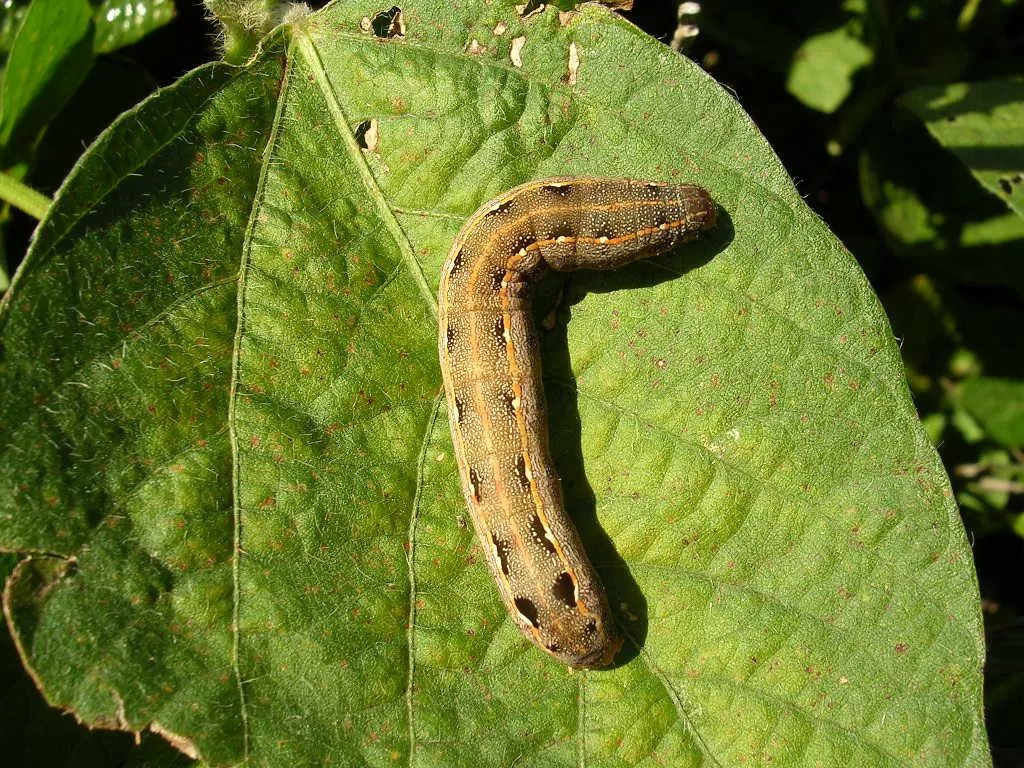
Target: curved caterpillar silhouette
[(491, 367)]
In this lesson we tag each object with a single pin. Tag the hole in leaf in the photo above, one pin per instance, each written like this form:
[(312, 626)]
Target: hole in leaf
[(367, 135), (389, 23)]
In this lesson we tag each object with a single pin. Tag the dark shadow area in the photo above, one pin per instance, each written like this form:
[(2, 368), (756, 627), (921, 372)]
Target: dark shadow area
[(997, 558), (992, 158), (933, 320), (580, 500), (628, 603), (668, 266)]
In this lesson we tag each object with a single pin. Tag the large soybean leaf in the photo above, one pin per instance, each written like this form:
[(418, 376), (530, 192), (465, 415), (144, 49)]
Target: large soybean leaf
[(225, 444)]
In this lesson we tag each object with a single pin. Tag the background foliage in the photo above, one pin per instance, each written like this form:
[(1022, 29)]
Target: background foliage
[(901, 124)]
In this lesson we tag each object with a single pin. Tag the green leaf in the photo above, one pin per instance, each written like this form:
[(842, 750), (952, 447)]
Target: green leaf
[(768, 34), (117, 22), (34, 734), (982, 124), (225, 445), (11, 17), (998, 404), (51, 54), (52, 51), (123, 22), (933, 212), (821, 75)]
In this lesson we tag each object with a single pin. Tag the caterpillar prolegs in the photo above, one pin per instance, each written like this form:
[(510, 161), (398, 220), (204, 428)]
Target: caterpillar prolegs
[(492, 377)]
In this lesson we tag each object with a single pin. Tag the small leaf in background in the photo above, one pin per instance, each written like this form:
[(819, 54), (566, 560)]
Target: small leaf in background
[(823, 68), (990, 487), (124, 22), (982, 124), (998, 404), (933, 211), (11, 16), (48, 50), (50, 56), (52, 51)]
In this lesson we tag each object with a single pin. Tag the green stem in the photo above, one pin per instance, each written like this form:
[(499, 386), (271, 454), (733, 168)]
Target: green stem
[(33, 203)]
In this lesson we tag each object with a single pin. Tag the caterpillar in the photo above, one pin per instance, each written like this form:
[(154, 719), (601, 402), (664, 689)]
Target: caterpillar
[(490, 363)]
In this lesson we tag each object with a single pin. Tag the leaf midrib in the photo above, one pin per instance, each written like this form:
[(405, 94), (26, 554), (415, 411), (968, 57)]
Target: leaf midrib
[(311, 56)]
